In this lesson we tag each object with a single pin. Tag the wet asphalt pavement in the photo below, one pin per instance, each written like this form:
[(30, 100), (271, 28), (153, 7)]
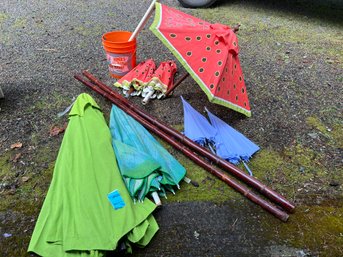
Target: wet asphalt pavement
[(44, 43)]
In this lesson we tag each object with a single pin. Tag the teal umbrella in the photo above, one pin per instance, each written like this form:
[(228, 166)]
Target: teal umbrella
[(144, 164), (88, 209), (139, 170)]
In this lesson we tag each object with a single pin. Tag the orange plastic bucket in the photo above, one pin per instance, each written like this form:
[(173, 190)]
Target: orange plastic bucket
[(120, 52)]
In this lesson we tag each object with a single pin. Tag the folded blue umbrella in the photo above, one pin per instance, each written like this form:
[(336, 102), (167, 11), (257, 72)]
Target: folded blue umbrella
[(197, 127), (230, 144)]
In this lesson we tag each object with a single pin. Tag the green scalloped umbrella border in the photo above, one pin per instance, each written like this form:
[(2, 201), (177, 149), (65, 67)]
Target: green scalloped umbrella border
[(154, 28)]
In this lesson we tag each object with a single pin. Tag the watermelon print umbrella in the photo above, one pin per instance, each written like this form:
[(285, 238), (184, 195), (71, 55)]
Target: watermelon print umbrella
[(138, 77), (144, 164), (88, 209), (209, 52), (163, 77)]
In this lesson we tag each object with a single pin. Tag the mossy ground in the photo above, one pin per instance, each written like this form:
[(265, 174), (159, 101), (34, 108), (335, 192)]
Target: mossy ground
[(20, 204), (298, 174)]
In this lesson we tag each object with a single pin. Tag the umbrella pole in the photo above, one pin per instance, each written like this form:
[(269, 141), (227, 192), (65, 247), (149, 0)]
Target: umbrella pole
[(171, 89), (156, 198), (130, 91), (145, 18), (241, 175), (213, 170)]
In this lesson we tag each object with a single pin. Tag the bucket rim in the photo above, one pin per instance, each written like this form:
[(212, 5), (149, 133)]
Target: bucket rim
[(119, 50), (132, 42), (122, 46)]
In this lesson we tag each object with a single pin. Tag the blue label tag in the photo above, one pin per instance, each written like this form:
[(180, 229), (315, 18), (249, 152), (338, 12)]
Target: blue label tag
[(116, 200)]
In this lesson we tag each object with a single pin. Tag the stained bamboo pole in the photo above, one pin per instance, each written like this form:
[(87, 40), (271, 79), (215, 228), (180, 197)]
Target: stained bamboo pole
[(232, 169), (194, 157)]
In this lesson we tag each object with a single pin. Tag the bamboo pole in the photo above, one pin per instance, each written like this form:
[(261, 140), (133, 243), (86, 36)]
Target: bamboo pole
[(232, 169), (221, 175)]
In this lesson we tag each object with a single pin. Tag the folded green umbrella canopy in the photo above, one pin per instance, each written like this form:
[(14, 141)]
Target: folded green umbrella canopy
[(143, 162), (88, 209)]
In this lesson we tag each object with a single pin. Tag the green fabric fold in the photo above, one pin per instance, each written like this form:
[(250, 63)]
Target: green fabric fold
[(76, 218)]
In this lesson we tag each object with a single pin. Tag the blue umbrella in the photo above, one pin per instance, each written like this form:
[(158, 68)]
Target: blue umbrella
[(232, 145), (144, 164), (197, 127)]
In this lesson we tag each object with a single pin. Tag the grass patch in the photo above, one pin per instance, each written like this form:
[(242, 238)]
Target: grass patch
[(318, 228), (333, 134), (3, 18), (5, 165), (19, 23), (210, 187)]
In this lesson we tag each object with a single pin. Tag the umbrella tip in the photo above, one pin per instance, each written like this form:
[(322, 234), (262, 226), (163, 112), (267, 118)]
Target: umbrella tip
[(156, 199), (187, 180)]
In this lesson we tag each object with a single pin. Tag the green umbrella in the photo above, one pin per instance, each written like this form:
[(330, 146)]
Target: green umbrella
[(88, 209), (144, 164)]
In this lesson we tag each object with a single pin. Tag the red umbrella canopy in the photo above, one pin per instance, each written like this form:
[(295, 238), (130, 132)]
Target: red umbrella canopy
[(139, 76), (163, 76), (209, 52)]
